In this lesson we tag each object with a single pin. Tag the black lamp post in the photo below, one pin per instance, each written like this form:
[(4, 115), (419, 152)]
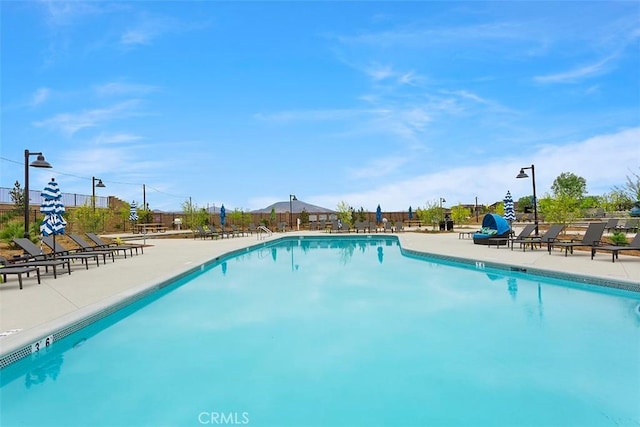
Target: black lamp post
[(476, 208), (522, 174), (94, 185), (40, 162), (292, 197)]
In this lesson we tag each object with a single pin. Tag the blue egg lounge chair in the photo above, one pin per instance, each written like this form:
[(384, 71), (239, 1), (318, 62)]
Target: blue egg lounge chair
[(493, 226)]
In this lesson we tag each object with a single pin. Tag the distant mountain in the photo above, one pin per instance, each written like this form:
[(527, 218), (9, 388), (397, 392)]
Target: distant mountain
[(297, 206)]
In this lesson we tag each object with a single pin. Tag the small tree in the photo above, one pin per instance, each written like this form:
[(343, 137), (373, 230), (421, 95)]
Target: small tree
[(630, 190), (240, 218), (190, 211), (432, 213), (17, 197), (304, 217), (272, 217), (123, 214), (590, 202), (569, 184), (617, 200), (460, 214), (344, 213), (145, 215), (525, 204), (86, 218), (563, 209)]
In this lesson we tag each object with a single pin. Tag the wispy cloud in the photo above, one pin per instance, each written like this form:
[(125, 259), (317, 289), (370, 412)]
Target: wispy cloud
[(65, 13), (70, 123), (120, 88), (405, 123), (379, 72), (149, 28), (311, 115), (471, 99), (40, 96), (579, 73), (462, 184), (138, 36), (437, 35), (378, 167), (117, 138)]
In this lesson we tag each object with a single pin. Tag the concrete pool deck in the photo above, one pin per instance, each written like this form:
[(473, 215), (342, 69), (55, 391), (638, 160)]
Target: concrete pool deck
[(34, 312)]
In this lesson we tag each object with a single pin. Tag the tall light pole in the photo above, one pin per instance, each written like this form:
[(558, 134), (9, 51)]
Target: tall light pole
[(292, 197), (522, 174), (40, 162), (476, 209), (94, 185), (443, 223)]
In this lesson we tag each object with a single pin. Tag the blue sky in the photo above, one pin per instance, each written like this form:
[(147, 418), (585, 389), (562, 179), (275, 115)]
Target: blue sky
[(390, 103)]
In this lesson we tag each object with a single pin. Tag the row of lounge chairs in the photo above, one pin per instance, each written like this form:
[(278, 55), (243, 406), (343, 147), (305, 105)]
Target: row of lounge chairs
[(61, 257), (222, 232), (627, 226), (358, 226), (204, 232), (592, 238)]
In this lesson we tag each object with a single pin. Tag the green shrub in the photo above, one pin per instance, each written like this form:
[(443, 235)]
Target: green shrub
[(618, 238), (15, 230)]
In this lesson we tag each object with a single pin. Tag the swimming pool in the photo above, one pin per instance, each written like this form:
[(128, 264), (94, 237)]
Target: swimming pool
[(322, 331)]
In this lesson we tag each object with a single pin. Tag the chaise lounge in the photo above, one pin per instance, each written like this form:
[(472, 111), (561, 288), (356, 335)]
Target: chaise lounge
[(633, 246), (35, 256), (102, 244), (18, 270), (592, 237), (493, 227), (549, 237)]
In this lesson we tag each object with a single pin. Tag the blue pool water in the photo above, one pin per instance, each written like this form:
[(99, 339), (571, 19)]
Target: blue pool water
[(320, 332)]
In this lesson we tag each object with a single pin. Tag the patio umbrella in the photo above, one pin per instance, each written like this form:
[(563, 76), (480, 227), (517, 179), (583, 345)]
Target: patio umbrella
[(509, 213), (410, 213), (223, 215), (52, 208), (133, 212), (378, 214)]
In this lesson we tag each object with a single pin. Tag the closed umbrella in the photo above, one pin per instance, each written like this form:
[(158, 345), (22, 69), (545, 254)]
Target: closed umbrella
[(509, 212), (53, 209), (133, 214), (378, 214), (223, 216), (410, 213)]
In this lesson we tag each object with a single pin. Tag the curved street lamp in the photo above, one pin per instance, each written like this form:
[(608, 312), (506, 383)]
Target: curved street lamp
[(292, 197), (523, 174), (93, 194), (40, 162)]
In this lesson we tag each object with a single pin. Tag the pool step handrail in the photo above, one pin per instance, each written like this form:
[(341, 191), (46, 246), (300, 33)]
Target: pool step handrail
[(262, 230)]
